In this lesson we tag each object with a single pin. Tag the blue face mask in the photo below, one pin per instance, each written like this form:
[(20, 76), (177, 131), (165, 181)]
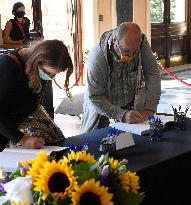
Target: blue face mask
[(43, 75)]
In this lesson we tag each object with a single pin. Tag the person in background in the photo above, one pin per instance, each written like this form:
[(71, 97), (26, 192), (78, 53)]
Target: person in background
[(123, 78), (17, 30), (23, 120)]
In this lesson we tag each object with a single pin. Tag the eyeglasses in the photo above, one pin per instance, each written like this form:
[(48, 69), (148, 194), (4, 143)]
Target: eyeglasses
[(127, 52)]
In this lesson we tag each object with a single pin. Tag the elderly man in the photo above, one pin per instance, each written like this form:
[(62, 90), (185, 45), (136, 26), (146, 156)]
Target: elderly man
[(123, 79)]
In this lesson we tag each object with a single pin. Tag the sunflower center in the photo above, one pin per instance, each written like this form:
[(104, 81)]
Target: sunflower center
[(58, 182), (89, 198)]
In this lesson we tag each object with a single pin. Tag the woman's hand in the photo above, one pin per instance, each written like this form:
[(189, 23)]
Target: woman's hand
[(32, 142)]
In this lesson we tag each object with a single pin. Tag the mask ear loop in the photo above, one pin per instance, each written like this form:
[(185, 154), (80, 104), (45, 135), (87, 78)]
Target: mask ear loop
[(140, 76)]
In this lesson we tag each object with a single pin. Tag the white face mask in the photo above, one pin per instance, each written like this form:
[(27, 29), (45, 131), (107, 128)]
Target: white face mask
[(43, 75)]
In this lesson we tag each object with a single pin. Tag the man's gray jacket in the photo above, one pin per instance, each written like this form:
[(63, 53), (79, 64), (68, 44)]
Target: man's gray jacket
[(98, 95)]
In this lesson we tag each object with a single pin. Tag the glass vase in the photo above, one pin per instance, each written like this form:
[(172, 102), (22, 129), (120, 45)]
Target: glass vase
[(106, 147), (180, 121), (155, 134)]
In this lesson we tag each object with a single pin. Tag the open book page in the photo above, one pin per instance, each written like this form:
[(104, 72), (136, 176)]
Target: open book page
[(10, 157), (140, 128)]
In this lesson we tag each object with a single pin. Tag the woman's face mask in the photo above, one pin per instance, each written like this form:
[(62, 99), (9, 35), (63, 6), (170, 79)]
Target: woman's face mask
[(43, 75), (19, 14)]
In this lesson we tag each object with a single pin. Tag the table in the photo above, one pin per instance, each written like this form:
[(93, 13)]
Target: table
[(164, 167)]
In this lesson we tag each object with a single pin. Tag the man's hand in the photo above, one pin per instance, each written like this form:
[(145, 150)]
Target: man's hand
[(133, 117), (145, 114), (32, 142)]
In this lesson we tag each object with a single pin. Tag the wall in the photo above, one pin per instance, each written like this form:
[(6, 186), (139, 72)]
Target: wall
[(141, 16), (92, 27), (107, 10), (89, 23)]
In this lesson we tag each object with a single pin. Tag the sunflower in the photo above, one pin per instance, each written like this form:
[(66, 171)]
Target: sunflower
[(27, 163), (18, 203), (55, 178), (37, 165), (80, 157), (91, 193), (114, 163), (129, 181)]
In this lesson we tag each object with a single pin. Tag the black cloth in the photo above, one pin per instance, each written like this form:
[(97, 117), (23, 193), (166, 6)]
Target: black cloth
[(163, 166), (17, 100), (16, 33)]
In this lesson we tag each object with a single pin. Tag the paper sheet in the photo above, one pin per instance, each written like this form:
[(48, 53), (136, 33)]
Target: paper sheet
[(140, 128), (10, 157), (21, 149)]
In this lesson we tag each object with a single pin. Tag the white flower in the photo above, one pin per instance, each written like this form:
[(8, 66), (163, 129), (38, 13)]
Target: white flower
[(19, 190), (123, 162), (105, 171), (101, 159), (3, 174)]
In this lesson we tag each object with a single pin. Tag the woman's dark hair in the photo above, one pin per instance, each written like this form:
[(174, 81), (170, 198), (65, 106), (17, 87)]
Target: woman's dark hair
[(51, 53), (16, 6)]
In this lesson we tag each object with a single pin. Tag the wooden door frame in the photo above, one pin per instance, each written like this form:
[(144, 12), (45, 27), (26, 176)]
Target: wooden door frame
[(37, 17), (77, 37), (166, 22)]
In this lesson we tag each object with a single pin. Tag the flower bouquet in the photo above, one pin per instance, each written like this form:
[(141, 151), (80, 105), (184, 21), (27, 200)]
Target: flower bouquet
[(156, 128), (75, 179), (180, 118)]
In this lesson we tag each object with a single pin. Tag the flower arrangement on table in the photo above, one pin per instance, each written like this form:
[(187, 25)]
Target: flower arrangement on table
[(155, 123), (180, 117), (156, 128), (76, 179)]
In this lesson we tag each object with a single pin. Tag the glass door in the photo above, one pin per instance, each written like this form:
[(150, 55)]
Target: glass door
[(169, 31)]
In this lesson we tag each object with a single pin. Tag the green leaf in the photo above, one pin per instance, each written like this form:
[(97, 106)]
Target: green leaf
[(131, 198), (16, 174), (134, 199), (66, 201), (7, 203), (2, 193), (125, 198), (82, 170)]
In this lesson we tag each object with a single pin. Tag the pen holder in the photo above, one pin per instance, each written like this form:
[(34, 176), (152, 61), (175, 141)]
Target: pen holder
[(106, 147), (180, 121), (155, 134)]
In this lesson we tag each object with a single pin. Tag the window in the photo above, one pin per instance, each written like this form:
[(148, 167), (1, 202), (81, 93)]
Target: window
[(177, 11), (156, 9)]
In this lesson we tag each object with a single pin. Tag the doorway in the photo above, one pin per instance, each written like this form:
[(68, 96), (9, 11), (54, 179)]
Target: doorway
[(169, 31)]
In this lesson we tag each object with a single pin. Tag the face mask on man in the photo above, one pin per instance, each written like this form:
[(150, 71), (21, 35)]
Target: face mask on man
[(43, 75), (126, 58), (19, 14)]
